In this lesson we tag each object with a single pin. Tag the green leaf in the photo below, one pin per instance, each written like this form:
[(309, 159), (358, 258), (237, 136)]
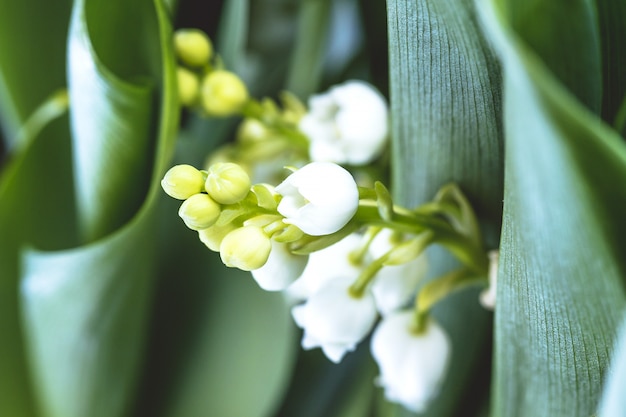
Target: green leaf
[(445, 101), (307, 59), (33, 191), (30, 70), (112, 66), (84, 309), (560, 289)]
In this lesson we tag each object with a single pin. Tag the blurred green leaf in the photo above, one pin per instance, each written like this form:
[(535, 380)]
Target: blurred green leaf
[(33, 190), (307, 58), (560, 291), (445, 101), (84, 308), (30, 70)]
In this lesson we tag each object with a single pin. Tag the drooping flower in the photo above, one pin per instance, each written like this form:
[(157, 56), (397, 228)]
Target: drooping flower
[(347, 124), (394, 285), (325, 265), (281, 269), (412, 365), (319, 198), (335, 320)]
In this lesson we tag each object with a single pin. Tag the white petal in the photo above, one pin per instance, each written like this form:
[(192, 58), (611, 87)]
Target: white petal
[(324, 265), (281, 269), (320, 198), (334, 320), (412, 366)]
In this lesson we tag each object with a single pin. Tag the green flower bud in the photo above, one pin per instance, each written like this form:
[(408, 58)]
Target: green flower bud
[(182, 181), (188, 86), (193, 47), (199, 211), (252, 130), (246, 248), (212, 237), (223, 93), (227, 183)]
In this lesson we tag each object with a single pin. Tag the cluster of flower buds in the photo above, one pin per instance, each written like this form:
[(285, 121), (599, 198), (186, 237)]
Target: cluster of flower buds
[(202, 83), (345, 256)]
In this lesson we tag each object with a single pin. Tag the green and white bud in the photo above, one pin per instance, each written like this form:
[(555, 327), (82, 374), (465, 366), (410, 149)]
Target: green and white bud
[(252, 130), (199, 211), (223, 93), (183, 181), (227, 183), (246, 248), (193, 47), (212, 237), (188, 86)]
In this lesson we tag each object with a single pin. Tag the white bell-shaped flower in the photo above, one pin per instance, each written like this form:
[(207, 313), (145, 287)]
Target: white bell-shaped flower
[(281, 269), (335, 320), (319, 198), (412, 366), (348, 124), (325, 265), (394, 286)]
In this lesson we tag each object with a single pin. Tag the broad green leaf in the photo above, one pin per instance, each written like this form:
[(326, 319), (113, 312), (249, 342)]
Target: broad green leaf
[(32, 191), (611, 18), (445, 101), (111, 60), (613, 400), (30, 70), (560, 289), (84, 309), (322, 388)]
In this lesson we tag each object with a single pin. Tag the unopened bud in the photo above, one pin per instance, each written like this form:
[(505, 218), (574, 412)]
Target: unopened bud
[(212, 237), (246, 248), (193, 47), (227, 183), (223, 93), (188, 86), (182, 181), (199, 211), (251, 130)]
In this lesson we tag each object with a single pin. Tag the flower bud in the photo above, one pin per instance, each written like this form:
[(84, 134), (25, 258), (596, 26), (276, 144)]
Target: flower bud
[(223, 93), (212, 237), (188, 86), (199, 211), (246, 248), (227, 183), (319, 198), (193, 47), (252, 130), (182, 181)]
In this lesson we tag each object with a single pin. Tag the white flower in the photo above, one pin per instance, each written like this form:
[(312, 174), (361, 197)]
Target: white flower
[(348, 124), (324, 265), (281, 269), (394, 286), (488, 296), (412, 366), (319, 198), (335, 320)]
